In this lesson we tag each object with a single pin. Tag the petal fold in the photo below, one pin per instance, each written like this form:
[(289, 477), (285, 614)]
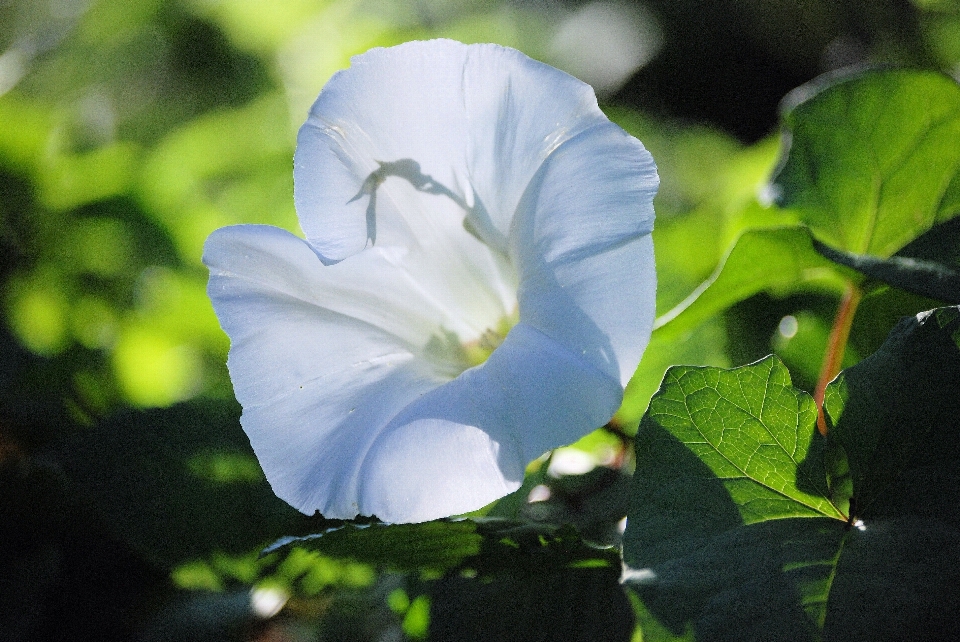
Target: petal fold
[(581, 243), (467, 443)]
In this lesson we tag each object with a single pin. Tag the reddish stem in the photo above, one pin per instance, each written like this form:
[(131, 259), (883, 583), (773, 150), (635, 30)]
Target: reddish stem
[(836, 345)]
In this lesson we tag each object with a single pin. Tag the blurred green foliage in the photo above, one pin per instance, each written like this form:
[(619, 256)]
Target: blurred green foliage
[(131, 506)]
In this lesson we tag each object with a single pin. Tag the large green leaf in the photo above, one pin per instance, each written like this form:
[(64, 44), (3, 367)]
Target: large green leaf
[(776, 258), (706, 556), (873, 160), (773, 424), (732, 524), (897, 415), (870, 163)]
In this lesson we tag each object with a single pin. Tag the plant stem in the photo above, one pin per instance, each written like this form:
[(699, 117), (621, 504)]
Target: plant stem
[(836, 345), (626, 443)]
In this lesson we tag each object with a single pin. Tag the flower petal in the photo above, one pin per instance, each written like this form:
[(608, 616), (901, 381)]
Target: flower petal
[(312, 442), (265, 283), (346, 419), (395, 104), (387, 288), (581, 244), (467, 124), (321, 358), (520, 110), (468, 442)]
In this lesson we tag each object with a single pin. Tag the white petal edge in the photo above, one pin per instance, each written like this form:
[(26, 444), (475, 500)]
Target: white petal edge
[(316, 383), (478, 119), (581, 242)]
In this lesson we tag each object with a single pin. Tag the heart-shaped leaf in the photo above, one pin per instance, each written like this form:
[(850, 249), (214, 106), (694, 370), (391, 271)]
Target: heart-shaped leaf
[(873, 160)]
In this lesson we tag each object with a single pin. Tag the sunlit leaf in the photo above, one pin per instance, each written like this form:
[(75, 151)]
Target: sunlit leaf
[(873, 159), (872, 163), (778, 258), (751, 428), (728, 460)]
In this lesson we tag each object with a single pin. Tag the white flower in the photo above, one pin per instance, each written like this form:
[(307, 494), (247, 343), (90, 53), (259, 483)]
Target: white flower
[(444, 189)]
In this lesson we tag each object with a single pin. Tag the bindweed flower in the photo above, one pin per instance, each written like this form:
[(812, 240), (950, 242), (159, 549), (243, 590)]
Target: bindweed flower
[(476, 285)]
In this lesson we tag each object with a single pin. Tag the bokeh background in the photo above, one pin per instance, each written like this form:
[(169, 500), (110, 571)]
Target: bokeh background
[(131, 506)]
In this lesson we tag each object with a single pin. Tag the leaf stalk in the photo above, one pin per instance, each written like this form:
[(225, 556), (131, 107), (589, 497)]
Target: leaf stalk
[(836, 346)]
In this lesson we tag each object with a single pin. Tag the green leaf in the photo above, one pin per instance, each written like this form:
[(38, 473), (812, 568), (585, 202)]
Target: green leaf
[(732, 530), (763, 581), (896, 415), (750, 428), (872, 162), (926, 278), (928, 266), (431, 546), (896, 580), (873, 159), (706, 556), (778, 258), (486, 545)]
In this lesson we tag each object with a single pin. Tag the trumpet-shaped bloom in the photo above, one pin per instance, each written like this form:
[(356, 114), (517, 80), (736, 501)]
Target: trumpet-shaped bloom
[(459, 203)]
